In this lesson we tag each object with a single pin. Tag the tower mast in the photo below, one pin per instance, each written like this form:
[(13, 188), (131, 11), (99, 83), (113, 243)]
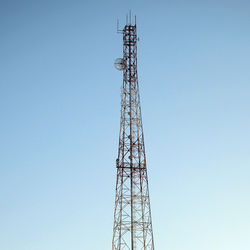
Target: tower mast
[(132, 217)]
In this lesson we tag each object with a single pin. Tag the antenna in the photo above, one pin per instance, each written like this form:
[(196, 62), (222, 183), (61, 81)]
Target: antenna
[(132, 228)]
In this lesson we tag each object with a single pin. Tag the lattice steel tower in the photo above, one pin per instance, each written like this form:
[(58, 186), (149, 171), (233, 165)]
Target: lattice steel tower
[(132, 218)]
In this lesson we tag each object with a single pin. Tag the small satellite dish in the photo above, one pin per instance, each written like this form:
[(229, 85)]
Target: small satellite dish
[(119, 64)]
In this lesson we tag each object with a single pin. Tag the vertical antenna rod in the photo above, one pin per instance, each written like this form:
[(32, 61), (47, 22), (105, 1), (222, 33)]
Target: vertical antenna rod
[(132, 217)]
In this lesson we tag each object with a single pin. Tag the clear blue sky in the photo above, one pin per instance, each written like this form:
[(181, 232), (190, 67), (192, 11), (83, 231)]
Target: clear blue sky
[(60, 108)]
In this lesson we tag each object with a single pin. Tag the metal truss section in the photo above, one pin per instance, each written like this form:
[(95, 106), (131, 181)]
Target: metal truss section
[(132, 218)]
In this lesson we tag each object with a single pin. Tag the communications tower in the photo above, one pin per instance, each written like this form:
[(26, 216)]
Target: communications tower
[(132, 217)]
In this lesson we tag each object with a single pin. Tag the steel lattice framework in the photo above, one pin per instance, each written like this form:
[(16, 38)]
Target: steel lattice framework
[(132, 218)]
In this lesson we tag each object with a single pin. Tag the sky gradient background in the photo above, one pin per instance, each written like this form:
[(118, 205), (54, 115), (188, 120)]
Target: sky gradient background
[(60, 110)]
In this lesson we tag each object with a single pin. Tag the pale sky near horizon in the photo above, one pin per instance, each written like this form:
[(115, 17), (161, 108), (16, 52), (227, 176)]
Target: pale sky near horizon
[(60, 110)]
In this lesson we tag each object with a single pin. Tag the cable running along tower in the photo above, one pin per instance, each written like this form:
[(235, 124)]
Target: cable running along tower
[(132, 217)]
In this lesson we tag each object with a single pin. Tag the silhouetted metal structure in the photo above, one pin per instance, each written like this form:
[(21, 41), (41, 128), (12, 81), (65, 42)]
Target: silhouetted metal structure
[(132, 218)]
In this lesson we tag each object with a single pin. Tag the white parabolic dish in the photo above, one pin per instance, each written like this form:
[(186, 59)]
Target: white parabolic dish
[(119, 64)]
